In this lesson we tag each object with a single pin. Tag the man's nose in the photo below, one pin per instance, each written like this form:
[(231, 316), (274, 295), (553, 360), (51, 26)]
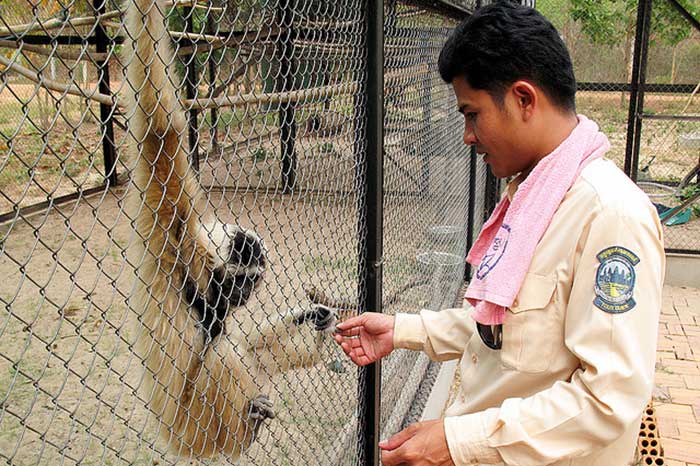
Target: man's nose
[(469, 136)]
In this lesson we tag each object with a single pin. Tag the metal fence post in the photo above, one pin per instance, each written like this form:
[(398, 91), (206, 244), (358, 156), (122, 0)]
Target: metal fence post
[(372, 204), (109, 152), (211, 68), (639, 66), (191, 92), (285, 83), (491, 193), (426, 99), (471, 206)]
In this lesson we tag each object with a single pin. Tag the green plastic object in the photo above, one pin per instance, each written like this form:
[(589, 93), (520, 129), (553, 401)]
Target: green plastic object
[(680, 218)]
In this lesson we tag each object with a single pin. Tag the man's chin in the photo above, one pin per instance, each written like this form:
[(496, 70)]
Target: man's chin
[(496, 172)]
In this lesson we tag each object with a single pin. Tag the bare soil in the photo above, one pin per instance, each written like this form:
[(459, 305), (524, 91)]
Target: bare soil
[(68, 379)]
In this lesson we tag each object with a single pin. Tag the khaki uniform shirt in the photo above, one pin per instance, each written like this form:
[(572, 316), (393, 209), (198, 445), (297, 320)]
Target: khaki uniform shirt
[(576, 367)]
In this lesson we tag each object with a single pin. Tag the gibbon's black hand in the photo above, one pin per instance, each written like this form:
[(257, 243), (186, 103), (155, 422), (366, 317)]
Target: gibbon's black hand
[(366, 338)]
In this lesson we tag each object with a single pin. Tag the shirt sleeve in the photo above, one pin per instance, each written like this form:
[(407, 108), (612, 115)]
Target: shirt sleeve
[(441, 335), (613, 337)]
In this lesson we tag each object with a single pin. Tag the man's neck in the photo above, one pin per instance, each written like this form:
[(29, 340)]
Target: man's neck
[(553, 129)]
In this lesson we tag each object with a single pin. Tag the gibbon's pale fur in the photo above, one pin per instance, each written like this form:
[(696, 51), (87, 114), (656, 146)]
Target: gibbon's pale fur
[(202, 371)]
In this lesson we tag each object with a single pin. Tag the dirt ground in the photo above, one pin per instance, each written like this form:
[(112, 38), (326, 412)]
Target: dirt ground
[(68, 378), (39, 164)]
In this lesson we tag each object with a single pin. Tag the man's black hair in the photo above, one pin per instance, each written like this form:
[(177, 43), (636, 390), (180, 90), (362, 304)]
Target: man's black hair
[(504, 42)]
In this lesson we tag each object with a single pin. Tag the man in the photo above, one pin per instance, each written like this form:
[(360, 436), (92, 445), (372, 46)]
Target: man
[(557, 353)]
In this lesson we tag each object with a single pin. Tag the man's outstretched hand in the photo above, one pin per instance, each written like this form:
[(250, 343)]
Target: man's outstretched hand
[(366, 338)]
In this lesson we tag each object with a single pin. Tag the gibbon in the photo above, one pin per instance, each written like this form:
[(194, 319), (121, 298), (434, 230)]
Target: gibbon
[(202, 371)]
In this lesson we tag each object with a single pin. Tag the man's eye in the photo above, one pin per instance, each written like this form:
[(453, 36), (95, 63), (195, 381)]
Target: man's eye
[(471, 116)]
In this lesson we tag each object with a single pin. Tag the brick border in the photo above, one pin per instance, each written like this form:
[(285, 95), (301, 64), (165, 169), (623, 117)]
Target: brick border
[(651, 452)]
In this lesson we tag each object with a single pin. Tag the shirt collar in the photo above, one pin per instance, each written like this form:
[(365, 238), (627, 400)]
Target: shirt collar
[(513, 185)]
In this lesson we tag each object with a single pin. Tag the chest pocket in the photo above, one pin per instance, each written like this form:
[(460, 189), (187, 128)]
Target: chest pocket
[(532, 329)]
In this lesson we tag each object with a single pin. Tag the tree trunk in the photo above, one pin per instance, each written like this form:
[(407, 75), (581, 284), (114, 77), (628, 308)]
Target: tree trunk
[(628, 53), (43, 100), (674, 63)]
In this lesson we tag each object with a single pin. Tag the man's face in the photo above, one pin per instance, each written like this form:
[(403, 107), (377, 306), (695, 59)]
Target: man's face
[(495, 130)]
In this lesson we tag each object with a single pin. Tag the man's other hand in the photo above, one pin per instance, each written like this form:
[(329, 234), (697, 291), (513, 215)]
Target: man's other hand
[(366, 338), (421, 444)]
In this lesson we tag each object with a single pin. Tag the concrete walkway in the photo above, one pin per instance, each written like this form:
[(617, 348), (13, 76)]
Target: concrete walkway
[(677, 393)]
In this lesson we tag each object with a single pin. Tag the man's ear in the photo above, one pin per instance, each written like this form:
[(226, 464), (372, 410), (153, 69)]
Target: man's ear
[(526, 98)]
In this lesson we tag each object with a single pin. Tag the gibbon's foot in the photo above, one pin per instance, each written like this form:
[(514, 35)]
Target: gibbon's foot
[(259, 409), (323, 318)]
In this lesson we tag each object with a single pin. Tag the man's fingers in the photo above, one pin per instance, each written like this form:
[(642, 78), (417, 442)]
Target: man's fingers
[(393, 458), (397, 440), (346, 347), (356, 321), (351, 332), (356, 354)]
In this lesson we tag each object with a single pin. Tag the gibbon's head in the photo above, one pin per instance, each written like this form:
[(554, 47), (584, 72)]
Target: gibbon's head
[(239, 264), (244, 261)]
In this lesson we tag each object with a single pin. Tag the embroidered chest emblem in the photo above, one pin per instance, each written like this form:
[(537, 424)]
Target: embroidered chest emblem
[(614, 281), (495, 252)]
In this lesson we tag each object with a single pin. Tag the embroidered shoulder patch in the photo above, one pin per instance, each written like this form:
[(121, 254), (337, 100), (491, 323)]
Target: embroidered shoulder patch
[(614, 281)]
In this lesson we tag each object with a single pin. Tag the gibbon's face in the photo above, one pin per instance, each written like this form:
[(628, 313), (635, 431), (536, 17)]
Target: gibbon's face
[(245, 262), (239, 265)]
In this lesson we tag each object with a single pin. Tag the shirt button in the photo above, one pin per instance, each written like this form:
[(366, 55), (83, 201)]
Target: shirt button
[(474, 359), (515, 302)]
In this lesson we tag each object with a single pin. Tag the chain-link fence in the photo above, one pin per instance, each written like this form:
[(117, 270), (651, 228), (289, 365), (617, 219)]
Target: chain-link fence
[(667, 165), (126, 245), (123, 340), (638, 78)]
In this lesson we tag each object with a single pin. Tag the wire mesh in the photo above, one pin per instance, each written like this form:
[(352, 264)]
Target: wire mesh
[(72, 388), (109, 348), (50, 135), (426, 192), (603, 55), (669, 169), (669, 154)]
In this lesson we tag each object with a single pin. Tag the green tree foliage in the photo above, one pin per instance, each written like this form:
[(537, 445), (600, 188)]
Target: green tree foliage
[(608, 22), (612, 24)]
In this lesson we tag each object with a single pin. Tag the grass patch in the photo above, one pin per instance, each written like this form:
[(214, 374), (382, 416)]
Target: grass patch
[(343, 265)]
